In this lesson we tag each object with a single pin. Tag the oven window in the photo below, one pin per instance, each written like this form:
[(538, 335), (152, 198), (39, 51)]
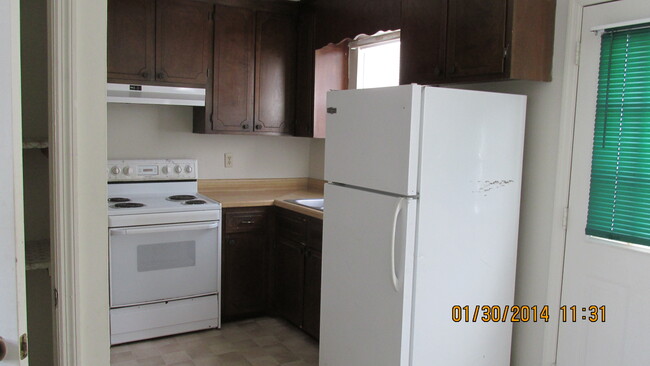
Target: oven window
[(155, 257)]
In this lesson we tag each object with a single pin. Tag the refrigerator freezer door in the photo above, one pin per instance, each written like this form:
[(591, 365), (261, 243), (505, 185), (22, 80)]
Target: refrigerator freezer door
[(365, 315), (373, 138)]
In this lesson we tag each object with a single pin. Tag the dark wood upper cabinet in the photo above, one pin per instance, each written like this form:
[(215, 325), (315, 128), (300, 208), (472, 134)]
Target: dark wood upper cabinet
[(234, 69), (476, 38), (131, 40), (423, 40), (253, 89), (451, 41), (183, 41), (159, 42), (275, 60)]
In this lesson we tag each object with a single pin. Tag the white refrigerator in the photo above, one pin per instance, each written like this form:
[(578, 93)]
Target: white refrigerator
[(421, 214)]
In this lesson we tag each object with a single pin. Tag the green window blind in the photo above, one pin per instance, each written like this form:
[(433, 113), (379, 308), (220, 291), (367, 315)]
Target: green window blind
[(619, 196)]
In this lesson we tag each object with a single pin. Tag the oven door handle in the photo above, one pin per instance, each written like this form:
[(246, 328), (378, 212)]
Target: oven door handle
[(164, 229)]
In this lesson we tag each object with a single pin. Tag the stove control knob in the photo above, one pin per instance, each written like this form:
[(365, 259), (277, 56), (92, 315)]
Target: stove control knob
[(189, 169), (165, 169), (127, 170), (115, 170), (178, 169)]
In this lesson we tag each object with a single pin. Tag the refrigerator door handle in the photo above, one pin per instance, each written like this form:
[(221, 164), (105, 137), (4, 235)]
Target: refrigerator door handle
[(398, 209)]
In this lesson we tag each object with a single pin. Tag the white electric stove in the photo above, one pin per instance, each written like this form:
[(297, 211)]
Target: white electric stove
[(165, 250)]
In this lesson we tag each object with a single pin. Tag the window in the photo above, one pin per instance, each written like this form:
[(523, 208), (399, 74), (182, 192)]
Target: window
[(374, 61), (619, 196)]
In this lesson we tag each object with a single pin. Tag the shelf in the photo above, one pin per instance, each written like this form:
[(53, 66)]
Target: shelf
[(35, 145), (37, 254)]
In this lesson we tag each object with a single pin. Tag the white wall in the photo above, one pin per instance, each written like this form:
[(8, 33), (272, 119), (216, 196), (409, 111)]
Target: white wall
[(149, 131), (317, 159), (539, 179)]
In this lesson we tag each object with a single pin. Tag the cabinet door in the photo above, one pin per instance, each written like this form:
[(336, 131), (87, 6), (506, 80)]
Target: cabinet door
[(476, 38), (423, 41), (244, 274), (289, 280), (311, 317), (234, 69), (275, 62), (131, 40), (183, 42)]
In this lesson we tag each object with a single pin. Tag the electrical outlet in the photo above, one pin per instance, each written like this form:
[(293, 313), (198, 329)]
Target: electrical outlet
[(227, 160)]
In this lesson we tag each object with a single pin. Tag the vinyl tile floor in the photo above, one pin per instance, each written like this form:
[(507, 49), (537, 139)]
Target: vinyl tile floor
[(256, 342)]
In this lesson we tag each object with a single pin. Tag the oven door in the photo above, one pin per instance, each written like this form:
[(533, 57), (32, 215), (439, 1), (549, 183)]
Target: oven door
[(163, 262)]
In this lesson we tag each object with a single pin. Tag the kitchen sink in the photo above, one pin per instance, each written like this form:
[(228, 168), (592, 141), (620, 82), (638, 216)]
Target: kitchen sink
[(315, 203)]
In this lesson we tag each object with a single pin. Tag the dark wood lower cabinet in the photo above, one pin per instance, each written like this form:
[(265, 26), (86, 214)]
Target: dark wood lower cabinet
[(297, 266), (243, 276), (311, 306), (282, 279), (289, 274), (245, 265)]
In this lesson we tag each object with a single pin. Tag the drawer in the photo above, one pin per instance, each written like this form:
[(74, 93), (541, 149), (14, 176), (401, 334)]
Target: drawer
[(239, 220), (292, 226)]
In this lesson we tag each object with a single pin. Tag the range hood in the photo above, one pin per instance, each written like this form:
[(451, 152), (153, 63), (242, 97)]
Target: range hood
[(148, 94)]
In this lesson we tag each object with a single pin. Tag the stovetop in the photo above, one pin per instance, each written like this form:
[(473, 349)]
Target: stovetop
[(156, 202), (142, 192)]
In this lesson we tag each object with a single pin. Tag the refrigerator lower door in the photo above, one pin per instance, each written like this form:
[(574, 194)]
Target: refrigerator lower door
[(367, 278)]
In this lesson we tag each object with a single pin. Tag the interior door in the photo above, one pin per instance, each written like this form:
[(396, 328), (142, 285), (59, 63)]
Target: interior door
[(599, 272), (13, 320), (366, 287)]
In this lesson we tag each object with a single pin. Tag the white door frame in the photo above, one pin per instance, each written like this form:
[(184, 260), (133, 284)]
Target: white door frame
[(77, 80), (12, 240), (563, 174)]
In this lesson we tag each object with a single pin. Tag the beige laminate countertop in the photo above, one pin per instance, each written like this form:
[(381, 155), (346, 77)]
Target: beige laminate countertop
[(264, 192)]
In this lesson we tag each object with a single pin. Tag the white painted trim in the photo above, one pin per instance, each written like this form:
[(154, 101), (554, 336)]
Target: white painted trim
[(13, 309), (62, 198), (77, 71), (563, 176)]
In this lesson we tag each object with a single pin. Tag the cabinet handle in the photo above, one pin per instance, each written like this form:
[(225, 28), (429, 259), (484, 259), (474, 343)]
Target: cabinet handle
[(244, 127), (258, 127), (160, 75), (248, 222), (452, 70), (145, 75), (436, 71), (232, 242)]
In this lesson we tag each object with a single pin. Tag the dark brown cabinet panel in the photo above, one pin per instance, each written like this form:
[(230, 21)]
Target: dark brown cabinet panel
[(297, 265), (476, 38), (243, 276), (311, 314), (445, 41), (289, 272), (234, 69), (159, 42), (423, 40), (253, 86), (275, 60), (131, 40), (245, 264), (183, 41)]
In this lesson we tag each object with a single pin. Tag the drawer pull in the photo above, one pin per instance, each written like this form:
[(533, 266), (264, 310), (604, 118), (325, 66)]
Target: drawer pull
[(248, 222)]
